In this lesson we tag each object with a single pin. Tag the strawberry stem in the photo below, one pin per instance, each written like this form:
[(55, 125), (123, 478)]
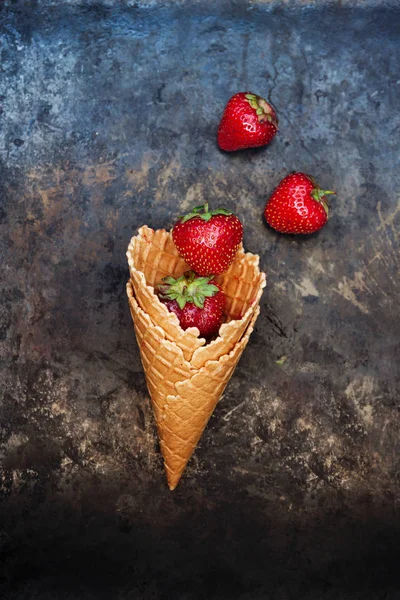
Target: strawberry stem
[(319, 196), (263, 110), (187, 288), (204, 213)]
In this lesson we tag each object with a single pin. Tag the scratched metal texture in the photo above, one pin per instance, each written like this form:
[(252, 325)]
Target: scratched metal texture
[(108, 117)]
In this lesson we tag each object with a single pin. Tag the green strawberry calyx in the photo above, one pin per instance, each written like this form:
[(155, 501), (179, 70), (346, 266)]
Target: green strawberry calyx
[(189, 287), (204, 213), (263, 109), (319, 195)]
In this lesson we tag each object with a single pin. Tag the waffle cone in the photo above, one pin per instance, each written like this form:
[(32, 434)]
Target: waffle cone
[(185, 376)]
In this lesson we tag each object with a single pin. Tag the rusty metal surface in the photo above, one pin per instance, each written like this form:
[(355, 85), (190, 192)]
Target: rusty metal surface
[(108, 116)]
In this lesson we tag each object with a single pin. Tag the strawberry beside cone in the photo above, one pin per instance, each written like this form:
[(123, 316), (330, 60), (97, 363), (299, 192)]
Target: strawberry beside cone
[(185, 375), (297, 205), (248, 121)]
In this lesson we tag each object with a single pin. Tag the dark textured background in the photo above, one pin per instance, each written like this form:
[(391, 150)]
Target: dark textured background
[(108, 116)]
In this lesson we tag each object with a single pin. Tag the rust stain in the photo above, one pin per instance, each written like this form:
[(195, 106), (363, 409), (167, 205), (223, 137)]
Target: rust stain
[(63, 184), (100, 174), (111, 221), (50, 197), (195, 196), (168, 172), (388, 220), (348, 288), (18, 237), (138, 178)]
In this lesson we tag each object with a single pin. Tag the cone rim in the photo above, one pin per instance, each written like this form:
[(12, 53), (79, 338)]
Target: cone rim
[(193, 332), (224, 357)]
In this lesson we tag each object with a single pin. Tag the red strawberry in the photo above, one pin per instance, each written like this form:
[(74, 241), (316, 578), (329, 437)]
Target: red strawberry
[(297, 205), (248, 122), (208, 239), (196, 301)]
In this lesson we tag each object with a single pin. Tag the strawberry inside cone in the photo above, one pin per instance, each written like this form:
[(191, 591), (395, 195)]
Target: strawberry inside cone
[(196, 301)]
